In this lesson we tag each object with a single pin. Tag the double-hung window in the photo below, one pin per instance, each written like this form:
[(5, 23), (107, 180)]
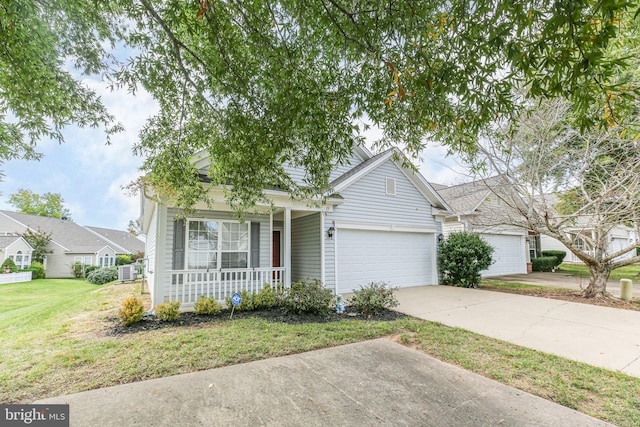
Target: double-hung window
[(217, 244)]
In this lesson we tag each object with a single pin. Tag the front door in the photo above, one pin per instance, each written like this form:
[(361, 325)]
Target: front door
[(275, 256)]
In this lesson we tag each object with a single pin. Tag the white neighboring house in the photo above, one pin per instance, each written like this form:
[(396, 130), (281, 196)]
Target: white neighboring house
[(379, 223), (618, 238), (476, 208), (71, 242), (16, 248)]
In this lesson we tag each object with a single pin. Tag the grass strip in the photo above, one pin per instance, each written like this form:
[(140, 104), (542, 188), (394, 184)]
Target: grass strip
[(61, 347)]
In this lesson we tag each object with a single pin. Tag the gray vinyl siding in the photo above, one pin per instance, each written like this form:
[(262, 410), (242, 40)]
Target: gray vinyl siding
[(59, 264), (298, 173), (366, 201), (305, 247), (172, 214)]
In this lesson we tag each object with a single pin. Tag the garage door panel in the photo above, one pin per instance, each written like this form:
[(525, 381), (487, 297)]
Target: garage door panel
[(400, 259), (508, 254)]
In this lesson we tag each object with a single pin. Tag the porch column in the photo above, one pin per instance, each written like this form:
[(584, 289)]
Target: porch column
[(287, 247)]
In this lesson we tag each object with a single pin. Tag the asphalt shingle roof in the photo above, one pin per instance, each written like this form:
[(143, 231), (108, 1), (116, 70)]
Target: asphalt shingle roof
[(121, 238), (465, 198)]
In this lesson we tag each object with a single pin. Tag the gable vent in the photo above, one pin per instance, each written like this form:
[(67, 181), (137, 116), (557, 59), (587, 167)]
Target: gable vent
[(391, 186)]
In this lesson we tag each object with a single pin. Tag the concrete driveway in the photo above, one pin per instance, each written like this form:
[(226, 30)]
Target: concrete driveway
[(374, 383), (600, 336)]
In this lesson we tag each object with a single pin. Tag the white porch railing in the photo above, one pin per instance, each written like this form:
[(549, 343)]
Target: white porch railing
[(23, 276), (187, 286)]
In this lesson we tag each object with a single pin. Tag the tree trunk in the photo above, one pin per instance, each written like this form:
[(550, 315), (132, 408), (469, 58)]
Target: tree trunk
[(598, 281)]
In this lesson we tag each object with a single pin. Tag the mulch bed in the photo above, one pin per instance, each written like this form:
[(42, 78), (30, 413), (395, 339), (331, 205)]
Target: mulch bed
[(571, 296), (276, 315)]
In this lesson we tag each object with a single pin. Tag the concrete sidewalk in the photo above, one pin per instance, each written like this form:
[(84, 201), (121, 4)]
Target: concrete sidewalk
[(599, 336), (374, 383)]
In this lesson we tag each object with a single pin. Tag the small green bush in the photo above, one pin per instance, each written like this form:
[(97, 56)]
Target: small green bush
[(247, 303), (373, 298), (131, 311), (9, 264), (267, 298), (558, 254), (77, 269), (37, 270), (207, 306), (103, 275), (543, 263), (168, 311), (89, 268), (461, 257), (308, 297), (123, 260)]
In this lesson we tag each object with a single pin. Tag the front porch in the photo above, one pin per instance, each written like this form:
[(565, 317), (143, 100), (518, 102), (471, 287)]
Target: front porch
[(214, 255)]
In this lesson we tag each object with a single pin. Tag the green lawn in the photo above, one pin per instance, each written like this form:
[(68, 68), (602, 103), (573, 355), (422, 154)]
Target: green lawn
[(580, 270), (54, 341)]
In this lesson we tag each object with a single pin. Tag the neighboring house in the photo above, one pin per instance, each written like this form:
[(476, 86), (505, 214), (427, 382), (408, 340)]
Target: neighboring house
[(70, 242), (477, 208), (379, 223), (118, 238), (618, 238), (15, 247)]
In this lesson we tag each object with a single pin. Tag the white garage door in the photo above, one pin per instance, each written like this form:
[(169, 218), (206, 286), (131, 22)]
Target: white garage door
[(508, 255), (398, 258)]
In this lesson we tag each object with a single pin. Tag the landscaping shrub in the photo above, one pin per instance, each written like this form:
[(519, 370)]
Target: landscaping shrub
[(373, 298), (89, 268), (462, 256), (207, 306), (267, 298), (9, 264), (558, 254), (308, 297), (247, 303), (37, 270), (77, 269), (543, 263), (102, 276), (123, 260), (168, 311), (131, 311)]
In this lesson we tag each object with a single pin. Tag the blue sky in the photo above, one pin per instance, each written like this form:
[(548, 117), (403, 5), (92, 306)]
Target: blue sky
[(90, 175)]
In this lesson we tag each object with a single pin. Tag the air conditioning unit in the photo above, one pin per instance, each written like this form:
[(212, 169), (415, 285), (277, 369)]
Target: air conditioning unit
[(127, 272)]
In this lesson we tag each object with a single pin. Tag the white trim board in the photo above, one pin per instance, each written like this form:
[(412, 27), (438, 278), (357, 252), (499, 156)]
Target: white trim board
[(383, 227)]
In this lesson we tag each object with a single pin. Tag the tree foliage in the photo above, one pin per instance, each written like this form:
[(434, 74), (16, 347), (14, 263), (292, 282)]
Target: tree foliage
[(252, 86), (41, 42), (47, 204), (575, 187), (39, 241)]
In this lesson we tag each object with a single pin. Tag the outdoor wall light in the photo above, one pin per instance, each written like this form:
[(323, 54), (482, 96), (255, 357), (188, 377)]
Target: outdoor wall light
[(330, 232), (440, 238)]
